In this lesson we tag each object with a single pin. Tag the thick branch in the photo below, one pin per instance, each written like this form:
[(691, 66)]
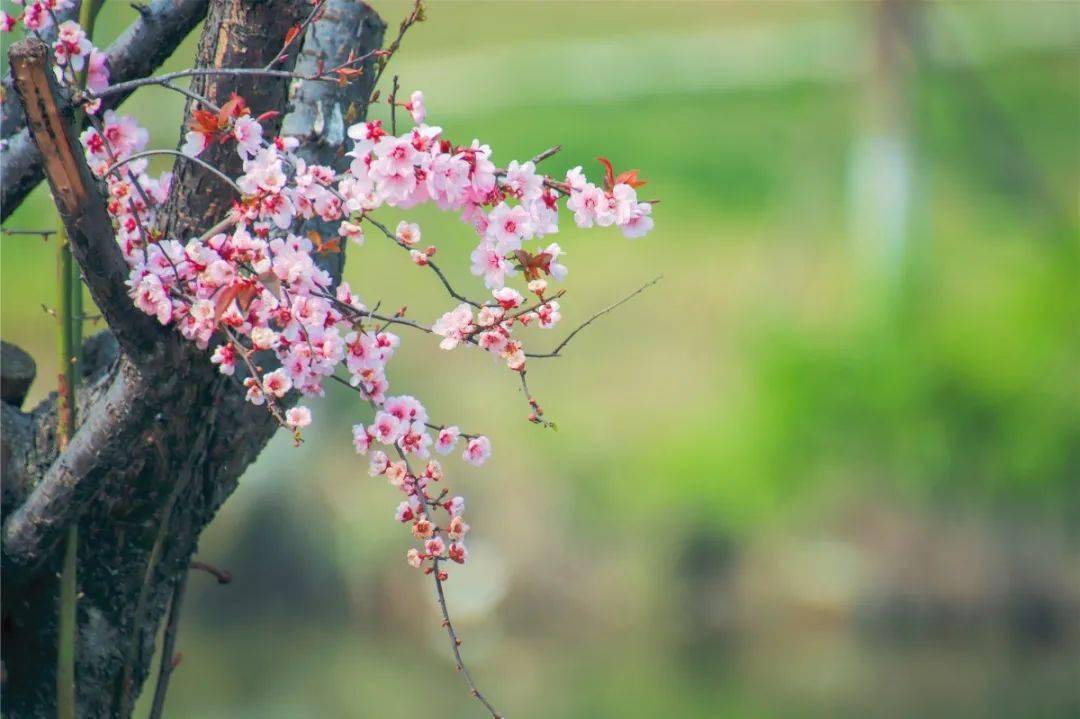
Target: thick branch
[(148, 42), (322, 111), (78, 200), (59, 498)]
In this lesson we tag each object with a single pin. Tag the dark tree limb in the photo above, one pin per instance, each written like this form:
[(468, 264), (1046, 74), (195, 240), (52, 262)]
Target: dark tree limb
[(147, 43), (78, 200), (17, 372), (179, 436)]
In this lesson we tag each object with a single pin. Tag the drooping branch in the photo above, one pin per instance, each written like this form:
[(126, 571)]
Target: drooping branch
[(161, 27)]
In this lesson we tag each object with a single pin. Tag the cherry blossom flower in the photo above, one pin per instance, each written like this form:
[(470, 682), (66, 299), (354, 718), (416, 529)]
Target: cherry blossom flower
[(458, 553), (248, 134), (457, 529), (407, 233), (456, 506), (555, 269), (361, 438), (523, 182), (477, 451), (508, 226), (277, 383), (97, 74), (508, 298), (225, 356), (36, 16), (435, 547), (71, 46), (296, 417), (454, 326), (489, 263), (640, 221), (447, 439), (415, 106)]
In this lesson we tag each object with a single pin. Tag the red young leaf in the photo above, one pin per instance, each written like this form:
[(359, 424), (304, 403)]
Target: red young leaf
[(291, 34), (223, 301), (609, 173), (630, 177)]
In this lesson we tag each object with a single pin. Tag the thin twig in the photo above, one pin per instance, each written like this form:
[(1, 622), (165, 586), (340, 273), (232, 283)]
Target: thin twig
[(393, 105), (176, 153), (455, 645), (315, 12), (223, 576), (537, 159), (43, 234), (327, 76), (434, 268), (559, 347), (168, 648)]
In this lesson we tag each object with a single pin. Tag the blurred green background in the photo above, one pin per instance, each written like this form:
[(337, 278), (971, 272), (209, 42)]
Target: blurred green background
[(829, 467)]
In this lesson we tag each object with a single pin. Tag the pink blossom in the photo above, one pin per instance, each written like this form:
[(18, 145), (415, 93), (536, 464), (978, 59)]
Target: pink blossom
[(248, 134), (277, 383), (590, 206), (97, 76), (458, 553), (387, 428), (36, 16), (7, 22), (523, 182), (494, 342), (447, 439), (457, 529), (352, 231), (71, 46), (477, 451), (508, 297), (296, 417), (378, 463), (640, 222), (508, 226), (454, 326), (225, 356), (555, 269), (489, 262), (448, 180), (195, 143), (407, 233), (456, 506), (435, 547), (361, 438), (548, 314), (415, 106)]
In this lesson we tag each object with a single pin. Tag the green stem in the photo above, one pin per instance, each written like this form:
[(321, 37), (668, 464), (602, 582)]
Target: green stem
[(70, 315), (67, 378)]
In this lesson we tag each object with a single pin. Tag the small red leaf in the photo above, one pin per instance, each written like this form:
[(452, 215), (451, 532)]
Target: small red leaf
[(609, 173), (291, 34)]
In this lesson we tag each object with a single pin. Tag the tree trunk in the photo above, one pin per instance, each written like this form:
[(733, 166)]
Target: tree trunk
[(164, 437)]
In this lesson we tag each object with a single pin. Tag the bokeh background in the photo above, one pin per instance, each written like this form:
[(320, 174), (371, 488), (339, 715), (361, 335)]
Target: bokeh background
[(828, 467)]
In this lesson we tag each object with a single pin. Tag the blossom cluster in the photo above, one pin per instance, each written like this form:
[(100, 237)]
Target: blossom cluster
[(37, 15), (251, 292)]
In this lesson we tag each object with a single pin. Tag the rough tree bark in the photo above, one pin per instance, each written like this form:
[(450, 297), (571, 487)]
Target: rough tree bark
[(163, 438)]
